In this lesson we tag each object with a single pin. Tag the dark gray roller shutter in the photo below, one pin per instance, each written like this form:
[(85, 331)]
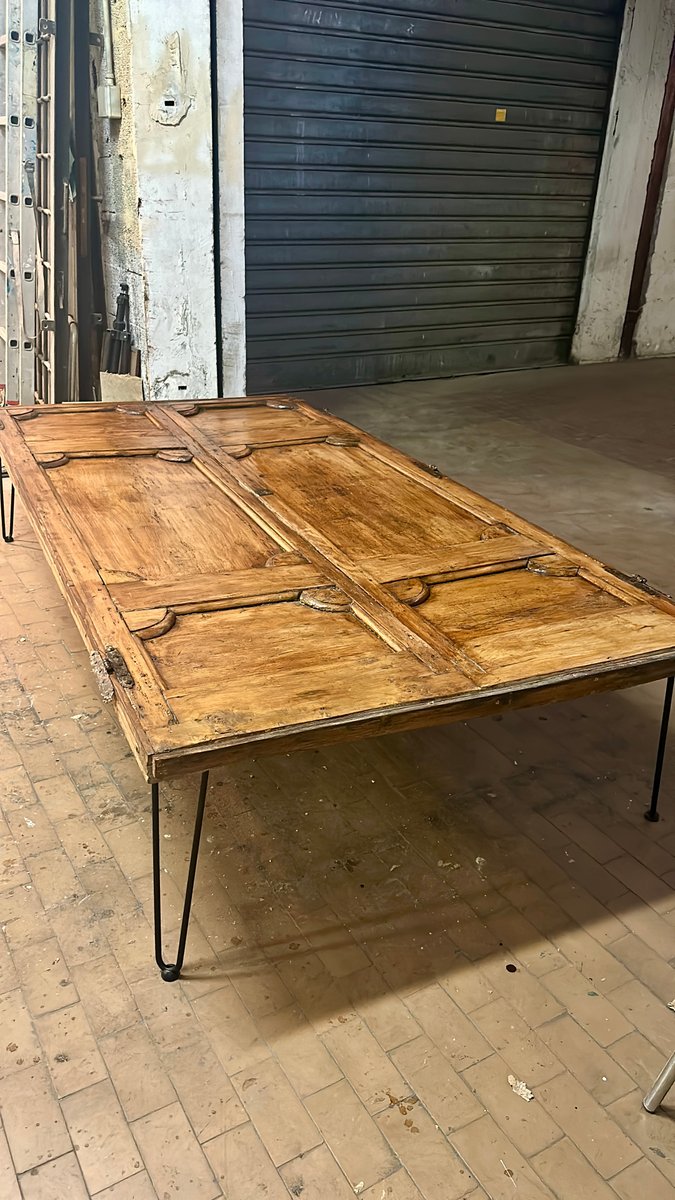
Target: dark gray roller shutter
[(396, 226)]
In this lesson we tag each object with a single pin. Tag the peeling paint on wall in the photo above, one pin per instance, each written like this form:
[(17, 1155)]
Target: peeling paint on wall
[(115, 147), (157, 186), (171, 101)]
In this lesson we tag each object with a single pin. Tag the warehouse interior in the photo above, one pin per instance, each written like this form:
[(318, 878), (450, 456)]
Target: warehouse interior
[(433, 964)]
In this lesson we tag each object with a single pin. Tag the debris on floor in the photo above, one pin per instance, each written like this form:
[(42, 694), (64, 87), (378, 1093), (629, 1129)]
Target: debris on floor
[(521, 1089)]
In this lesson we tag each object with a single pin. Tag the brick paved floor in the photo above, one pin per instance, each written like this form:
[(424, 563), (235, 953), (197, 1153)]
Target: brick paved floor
[(382, 932)]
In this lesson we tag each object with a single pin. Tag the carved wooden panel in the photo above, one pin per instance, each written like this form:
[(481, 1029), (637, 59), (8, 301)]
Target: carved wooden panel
[(119, 429), (139, 514), (300, 659), (357, 503), (253, 574), (255, 423), (518, 622)]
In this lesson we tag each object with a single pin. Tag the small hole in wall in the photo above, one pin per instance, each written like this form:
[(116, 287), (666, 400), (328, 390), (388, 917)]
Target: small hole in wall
[(182, 387), (168, 102)]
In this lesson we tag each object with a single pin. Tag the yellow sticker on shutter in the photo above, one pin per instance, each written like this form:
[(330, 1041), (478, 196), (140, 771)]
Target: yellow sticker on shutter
[(500, 114)]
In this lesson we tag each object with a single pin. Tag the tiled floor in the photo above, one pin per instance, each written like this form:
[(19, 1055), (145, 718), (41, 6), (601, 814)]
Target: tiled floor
[(383, 933)]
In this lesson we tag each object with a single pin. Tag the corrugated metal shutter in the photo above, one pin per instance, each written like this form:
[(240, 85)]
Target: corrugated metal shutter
[(397, 226)]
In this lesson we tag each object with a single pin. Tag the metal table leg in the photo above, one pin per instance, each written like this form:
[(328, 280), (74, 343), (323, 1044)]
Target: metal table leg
[(662, 1086), (652, 813), (7, 529), (171, 971)]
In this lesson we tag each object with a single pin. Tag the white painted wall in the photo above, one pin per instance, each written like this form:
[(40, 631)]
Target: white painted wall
[(118, 183), (157, 186), (633, 120), (655, 331), (230, 166)]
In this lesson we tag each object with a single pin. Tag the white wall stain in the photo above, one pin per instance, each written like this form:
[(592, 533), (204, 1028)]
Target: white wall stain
[(172, 100)]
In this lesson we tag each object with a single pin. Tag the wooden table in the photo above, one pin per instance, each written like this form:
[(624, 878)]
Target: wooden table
[(254, 575)]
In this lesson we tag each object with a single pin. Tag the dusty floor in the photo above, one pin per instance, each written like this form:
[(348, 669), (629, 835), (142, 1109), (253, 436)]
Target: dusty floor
[(351, 1012)]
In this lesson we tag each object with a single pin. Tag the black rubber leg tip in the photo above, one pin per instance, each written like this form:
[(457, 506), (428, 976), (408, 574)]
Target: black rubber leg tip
[(652, 816), (9, 539), (170, 974)]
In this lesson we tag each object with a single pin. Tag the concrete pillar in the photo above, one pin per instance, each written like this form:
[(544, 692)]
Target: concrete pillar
[(633, 120), (655, 332)]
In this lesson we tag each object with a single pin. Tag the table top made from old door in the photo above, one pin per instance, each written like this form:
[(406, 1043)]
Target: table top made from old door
[(256, 575)]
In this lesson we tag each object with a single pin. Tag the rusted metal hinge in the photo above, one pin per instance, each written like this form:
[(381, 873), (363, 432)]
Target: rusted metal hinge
[(112, 664), (640, 582), (119, 667), (429, 468)]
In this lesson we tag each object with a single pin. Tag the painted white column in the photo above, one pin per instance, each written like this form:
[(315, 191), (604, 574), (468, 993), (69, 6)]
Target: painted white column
[(655, 331), (170, 77), (633, 120), (230, 166)]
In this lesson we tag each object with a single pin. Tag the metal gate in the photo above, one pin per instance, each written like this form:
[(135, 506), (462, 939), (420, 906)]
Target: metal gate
[(420, 177)]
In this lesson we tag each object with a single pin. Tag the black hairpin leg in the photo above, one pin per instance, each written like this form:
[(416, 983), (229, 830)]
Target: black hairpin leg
[(171, 971), (7, 530), (661, 1086), (652, 813)]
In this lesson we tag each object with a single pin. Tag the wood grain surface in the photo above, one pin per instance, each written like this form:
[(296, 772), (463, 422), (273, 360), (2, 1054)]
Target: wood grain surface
[(257, 575)]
